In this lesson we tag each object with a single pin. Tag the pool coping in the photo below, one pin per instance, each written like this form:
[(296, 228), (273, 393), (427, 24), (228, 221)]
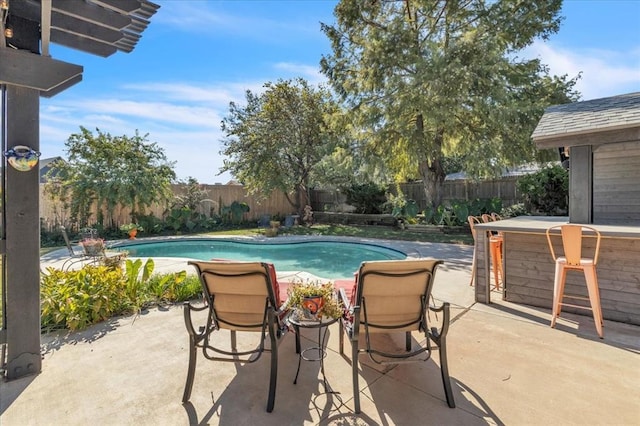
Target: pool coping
[(413, 249)]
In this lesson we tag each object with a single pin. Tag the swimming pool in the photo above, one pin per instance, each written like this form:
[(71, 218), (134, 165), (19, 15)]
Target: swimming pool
[(326, 259)]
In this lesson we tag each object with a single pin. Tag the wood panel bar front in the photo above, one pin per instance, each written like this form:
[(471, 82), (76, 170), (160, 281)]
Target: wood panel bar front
[(529, 267)]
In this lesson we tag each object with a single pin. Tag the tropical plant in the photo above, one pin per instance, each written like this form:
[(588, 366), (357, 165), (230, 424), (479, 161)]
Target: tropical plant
[(126, 227), (135, 281), (234, 212), (402, 208), (76, 299), (167, 287), (426, 79)]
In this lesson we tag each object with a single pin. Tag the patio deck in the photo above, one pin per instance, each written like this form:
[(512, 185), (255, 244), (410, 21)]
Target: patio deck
[(507, 367)]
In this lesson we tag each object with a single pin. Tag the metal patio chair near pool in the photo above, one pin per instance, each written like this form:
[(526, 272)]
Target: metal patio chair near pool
[(93, 251), (393, 296), (239, 296)]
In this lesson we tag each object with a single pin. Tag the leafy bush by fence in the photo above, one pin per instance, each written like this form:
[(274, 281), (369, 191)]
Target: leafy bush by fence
[(53, 214)]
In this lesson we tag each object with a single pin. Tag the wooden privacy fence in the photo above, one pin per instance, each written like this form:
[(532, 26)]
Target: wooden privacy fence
[(503, 188), (53, 214)]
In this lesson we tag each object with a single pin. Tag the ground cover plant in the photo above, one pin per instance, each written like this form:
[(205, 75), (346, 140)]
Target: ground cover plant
[(77, 299)]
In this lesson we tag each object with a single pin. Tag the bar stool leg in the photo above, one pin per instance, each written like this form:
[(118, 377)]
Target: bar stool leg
[(558, 292), (495, 245), (594, 297)]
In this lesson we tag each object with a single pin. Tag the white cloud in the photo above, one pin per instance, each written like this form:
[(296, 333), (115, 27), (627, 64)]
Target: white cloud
[(310, 73), (604, 72)]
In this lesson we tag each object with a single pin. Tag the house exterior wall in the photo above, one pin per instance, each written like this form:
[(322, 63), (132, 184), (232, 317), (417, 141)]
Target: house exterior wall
[(616, 183)]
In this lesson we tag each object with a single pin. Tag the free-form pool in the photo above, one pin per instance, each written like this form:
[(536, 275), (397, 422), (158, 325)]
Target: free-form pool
[(326, 259)]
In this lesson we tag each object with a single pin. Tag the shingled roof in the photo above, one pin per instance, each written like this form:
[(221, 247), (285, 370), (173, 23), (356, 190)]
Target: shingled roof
[(568, 124)]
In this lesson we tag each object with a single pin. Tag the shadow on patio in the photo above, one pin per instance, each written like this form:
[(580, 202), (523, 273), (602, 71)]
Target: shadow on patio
[(507, 367)]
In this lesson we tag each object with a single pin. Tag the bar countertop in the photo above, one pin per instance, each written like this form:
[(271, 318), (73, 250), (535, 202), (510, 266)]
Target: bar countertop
[(539, 224)]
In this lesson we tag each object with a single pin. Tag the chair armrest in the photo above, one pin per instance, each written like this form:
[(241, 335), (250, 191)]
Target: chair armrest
[(188, 322), (434, 333), (281, 315)]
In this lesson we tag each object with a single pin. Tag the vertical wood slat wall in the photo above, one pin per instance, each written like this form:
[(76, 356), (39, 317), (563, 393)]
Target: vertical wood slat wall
[(616, 183), (529, 269)]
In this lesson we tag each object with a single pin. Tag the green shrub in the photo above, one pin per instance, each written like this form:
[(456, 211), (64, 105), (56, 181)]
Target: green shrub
[(514, 211), (367, 198), (77, 299), (546, 191), (173, 287), (457, 211)]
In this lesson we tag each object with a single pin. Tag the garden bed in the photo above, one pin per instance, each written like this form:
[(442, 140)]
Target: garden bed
[(355, 218), (434, 229)]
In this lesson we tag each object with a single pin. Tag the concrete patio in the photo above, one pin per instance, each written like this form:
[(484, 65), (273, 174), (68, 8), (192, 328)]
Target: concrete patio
[(507, 367)]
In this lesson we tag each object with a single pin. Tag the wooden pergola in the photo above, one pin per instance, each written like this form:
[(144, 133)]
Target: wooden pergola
[(27, 71)]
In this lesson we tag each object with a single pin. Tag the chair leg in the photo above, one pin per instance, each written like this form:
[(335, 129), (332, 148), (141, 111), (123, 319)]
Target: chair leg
[(407, 342), (444, 371), (234, 341), (191, 371), (558, 292), (273, 377), (341, 331), (594, 299), (356, 385), (297, 333)]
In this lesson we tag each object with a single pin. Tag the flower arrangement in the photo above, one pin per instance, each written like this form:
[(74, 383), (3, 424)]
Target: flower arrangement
[(92, 246), (314, 300)]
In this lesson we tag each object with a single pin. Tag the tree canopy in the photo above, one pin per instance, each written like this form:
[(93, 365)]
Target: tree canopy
[(275, 141), (427, 79), (110, 171)]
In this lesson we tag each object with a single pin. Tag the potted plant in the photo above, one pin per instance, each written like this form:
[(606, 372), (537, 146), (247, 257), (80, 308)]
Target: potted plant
[(313, 300), (92, 246), (131, 229)]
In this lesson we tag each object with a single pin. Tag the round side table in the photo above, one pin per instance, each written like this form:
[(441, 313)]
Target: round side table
[(316, 352)]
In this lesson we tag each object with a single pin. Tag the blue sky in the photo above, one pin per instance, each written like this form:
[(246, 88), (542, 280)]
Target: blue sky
[(197, 56)]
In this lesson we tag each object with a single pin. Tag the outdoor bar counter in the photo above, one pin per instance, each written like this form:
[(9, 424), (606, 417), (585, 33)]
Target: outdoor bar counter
[(528, 268)]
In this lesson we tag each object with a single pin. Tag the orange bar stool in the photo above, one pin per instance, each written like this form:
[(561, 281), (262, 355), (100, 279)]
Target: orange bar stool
[(572, 236), (495, 249)]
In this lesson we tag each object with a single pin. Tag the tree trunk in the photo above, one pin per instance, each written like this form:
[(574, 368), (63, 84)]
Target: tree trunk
[(432, 172)]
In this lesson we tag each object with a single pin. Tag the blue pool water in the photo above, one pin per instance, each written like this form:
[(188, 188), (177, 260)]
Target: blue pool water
[(332, 260)]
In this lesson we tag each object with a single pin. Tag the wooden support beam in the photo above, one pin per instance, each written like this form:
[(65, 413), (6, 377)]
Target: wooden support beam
[(25, 69), (22, 227)]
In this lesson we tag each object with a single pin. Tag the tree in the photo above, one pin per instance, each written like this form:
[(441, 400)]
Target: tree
[(110, 171), (276, 139), (428, 79)]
